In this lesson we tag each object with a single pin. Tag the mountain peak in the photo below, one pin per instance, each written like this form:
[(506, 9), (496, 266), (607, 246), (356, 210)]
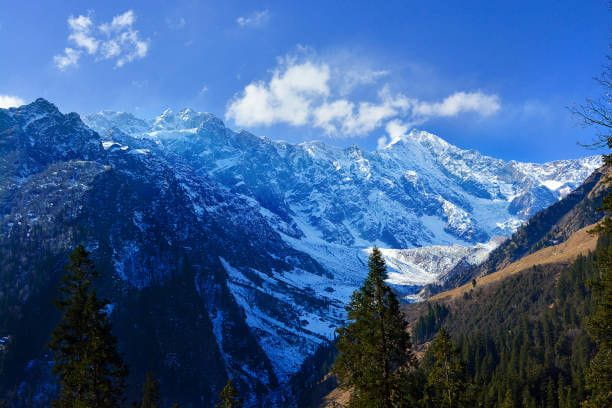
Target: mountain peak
[(42, 102), (34, 112), (421, 136), (39, 106)]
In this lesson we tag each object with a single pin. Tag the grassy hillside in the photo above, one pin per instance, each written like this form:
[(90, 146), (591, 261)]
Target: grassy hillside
[(522, 337), (551, 226), (578, 244)]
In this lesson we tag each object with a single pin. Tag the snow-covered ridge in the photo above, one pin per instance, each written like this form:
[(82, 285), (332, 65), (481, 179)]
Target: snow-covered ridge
[(428, 204), (418, 191), (441, 193)]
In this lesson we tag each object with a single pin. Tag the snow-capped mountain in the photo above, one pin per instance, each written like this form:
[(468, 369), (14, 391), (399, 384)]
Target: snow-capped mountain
[(419, 190), (230, 255)]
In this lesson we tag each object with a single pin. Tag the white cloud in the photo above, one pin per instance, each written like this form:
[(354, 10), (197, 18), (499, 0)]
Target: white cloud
[(119, 23), (69, 58), (80, 34), (312, 93), (116, 40), (329, 112), (255, 19), (396, 130), (459, 102), (10, 101), (288, 97), (381, 142), (356, 76)]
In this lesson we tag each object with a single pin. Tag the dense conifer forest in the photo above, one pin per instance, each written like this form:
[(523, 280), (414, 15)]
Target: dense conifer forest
[(525, 342)]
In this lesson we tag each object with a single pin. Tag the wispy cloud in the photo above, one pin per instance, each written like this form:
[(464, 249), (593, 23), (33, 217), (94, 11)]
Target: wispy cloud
[(116, 40), (177, 23), (307, 92), (459, 102), (69, 58), (255, 19), (9, 101)]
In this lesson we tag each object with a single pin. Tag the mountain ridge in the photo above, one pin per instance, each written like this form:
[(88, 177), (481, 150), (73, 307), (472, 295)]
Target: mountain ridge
[(256, 244), (357, 166)]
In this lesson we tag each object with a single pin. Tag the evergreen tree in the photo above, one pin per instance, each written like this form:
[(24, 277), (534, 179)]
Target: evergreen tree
[(508, 401), (527, 399), (150, 392), (91, 372), (598, 113), (551, 400), (228, 398), (599, 323), (375, 353), (446, 385)]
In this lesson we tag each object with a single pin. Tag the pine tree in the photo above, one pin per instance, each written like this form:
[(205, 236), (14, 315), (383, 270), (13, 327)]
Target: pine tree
[(508, 401), (150, 392), (91, 372), (446, 385), (228, 398), (375, 353), (528, 401), (599, 323), (599, 373), (551, 399)]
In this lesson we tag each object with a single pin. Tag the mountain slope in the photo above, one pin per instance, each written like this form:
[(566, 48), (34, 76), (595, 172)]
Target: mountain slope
[(550, 226), (580, 243), (222, 253), (156, 232), (417, 191), (519, 328), (522, 336)]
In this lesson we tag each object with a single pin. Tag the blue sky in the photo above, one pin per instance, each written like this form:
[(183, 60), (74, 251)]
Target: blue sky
[(491, 76)]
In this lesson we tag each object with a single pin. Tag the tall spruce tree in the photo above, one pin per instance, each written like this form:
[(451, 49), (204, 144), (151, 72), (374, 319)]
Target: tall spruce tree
[(599, 323), (446, 384), (598, 113), (91, 371), (375, 353), (150, 392), (228, 398), (508, 401)]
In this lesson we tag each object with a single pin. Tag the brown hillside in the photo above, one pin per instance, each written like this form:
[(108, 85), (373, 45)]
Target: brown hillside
[(579, 243)]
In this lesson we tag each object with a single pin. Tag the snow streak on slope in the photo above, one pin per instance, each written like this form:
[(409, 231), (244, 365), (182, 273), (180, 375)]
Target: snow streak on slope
[(427, 203)]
